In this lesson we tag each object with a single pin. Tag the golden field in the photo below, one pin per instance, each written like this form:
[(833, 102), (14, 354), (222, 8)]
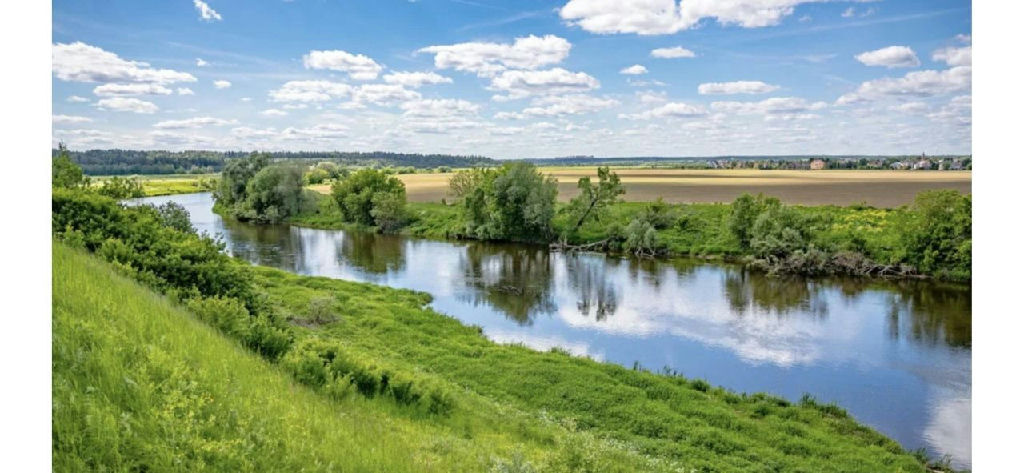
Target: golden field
[(839, 187)]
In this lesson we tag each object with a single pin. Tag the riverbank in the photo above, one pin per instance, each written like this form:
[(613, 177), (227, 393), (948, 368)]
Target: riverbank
[(381, 339), (860, 240)]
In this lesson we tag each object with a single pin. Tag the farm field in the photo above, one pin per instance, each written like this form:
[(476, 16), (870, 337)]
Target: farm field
[(838, 187)]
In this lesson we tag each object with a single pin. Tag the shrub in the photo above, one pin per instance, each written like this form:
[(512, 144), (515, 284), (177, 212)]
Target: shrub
[(937, 235), (745, 210), (122, 188), (356, 196)]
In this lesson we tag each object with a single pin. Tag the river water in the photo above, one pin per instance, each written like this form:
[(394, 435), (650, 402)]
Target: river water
[(897, 356)]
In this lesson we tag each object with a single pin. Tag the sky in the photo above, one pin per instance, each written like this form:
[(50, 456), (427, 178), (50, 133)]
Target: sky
[(515, 79)]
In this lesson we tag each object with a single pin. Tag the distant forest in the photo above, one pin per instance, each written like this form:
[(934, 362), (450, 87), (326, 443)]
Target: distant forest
[(124, 161)]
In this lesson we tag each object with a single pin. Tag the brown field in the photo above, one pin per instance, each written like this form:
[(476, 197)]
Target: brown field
[(877, 188)]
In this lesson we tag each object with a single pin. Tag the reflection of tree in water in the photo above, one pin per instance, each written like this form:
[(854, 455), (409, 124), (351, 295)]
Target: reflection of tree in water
[(597, 294), (781, 295), (513, 279), (268, 245), (374, 253), (931, 314)]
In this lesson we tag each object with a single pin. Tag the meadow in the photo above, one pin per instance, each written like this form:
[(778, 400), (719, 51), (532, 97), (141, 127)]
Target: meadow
[(236, 368), (833, 187), (170, 184)]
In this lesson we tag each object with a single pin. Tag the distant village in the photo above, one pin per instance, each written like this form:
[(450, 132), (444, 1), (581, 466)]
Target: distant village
[(901, 163)]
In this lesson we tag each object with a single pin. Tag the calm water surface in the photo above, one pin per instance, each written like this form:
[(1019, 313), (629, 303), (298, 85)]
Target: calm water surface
[(896, 355)]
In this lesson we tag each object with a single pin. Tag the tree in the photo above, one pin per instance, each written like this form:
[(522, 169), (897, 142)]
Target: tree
[(464, 183), (273, 194), (122, 188), (174, 215), (356, 194), (64, 172), (595, 197), (745, 210), (236, 176), (937, 235), (388, 211), (521, 202)]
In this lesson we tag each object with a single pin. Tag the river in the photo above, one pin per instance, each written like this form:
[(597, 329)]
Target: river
[(896, 355)]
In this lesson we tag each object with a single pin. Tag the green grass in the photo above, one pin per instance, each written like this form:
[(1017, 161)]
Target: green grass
[(141, 385), (669, 418)]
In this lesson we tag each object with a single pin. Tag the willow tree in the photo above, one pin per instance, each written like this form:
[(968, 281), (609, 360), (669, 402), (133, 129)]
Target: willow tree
[(595, 197)]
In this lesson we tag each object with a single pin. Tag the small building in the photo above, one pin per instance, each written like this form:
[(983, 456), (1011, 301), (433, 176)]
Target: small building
[(923, 164), (817, 164)]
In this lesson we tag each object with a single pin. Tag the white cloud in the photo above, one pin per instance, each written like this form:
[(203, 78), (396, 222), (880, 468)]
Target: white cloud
[(849, 13), (672, 53), (185, 91), (310, 91), (737, 87), (488, 59), (439, 108), (645, 83), (357, 66), (926, 83), (634, 70), (196, 122), (953, 56), (123, 104), (892, 56), (416, 79), (559, 105), (383, 94), (205, 12), (246, 99), (324, 131), (669, 110), (772, 106), (245, 132), (70, 119), (273, 112), (519, 84), (80, 62), (649, 17), (221, 84), (650, 96), (77, 99), (110, 90), (200, 62)]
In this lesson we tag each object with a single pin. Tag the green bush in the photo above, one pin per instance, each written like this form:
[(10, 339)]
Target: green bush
[(937, 235), (361, 193)]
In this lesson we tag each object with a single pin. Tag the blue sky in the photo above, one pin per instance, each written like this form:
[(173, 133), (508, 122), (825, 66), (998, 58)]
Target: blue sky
[(516, 79)]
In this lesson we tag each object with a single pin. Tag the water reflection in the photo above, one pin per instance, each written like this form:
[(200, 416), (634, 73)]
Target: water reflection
[(515, 279), (896, 355)]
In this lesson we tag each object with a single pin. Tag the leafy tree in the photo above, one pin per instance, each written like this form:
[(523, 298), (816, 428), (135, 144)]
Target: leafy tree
[(65, 173), (745, 210), (641, 238), (356, 196), (122, 188), (778, 232), (273, 194), (938, 233), (388, 211), (464, 183), (236, 176), (174, 215), (514, 202), (593, 198)]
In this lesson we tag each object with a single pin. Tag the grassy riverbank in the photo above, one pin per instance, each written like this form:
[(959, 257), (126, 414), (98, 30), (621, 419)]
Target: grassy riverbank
[(366, 363), (691, 230)]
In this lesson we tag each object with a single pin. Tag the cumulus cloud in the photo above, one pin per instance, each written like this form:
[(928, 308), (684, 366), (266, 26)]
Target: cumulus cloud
[(416, 79), (324, 131), (518, 83), (737, 87), (310, 91), (668, 110), (910, 107), (892, 56), (435, 108), (221, 84), (80, 62), (383, 94), (634, 70), (650, 96), (124, 104), (110, 90), (77, 99), (650, 17), (672, 53), (574, 104), (200, 62), (357, 66), (953, 56), (70, 119), (926, 83), (205, 12), (273, 112), (487, 59), (772, 106), (196, 122), (185, 91)]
